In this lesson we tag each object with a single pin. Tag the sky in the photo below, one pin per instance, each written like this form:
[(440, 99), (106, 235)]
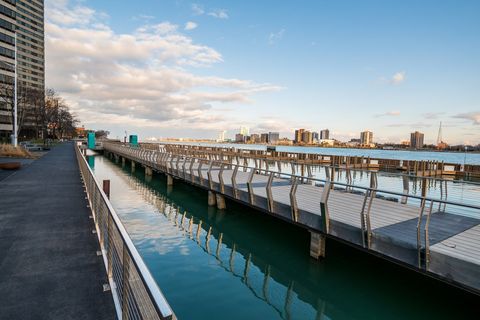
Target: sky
[(175, 68)]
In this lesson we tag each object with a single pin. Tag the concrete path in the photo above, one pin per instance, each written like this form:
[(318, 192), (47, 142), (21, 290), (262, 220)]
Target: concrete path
[(49, 268)]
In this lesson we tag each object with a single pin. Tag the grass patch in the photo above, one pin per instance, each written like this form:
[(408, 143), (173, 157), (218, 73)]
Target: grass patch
[(7, 150)]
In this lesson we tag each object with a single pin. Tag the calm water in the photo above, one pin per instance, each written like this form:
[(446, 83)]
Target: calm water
[(448, 157), (241, 264)]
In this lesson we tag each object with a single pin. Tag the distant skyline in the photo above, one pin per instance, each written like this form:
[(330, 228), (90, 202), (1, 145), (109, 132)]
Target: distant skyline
[(177, 68)]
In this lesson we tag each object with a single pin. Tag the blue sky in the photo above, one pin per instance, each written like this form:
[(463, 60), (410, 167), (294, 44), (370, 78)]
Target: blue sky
[(389, 66)]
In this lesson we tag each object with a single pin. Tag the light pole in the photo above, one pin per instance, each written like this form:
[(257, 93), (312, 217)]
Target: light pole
[(15, 113)]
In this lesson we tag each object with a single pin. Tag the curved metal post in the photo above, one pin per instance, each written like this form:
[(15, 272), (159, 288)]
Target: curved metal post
[(324, 207), (177, 165), (190, 167), (419, 223), (200, 177), (293, 199), (250, 187), (220, 179), (427, 239), (170, 170), (269, 192), (406, 189), (209, 174), (234, 182), (183, 167)]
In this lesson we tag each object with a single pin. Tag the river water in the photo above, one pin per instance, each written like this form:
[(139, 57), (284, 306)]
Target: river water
[(242, 264), (448, 157)]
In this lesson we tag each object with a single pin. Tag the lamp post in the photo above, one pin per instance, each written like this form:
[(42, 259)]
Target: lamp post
[(15, 113)]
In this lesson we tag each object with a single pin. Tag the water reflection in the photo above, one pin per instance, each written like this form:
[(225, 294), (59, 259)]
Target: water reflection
[(238, 264)]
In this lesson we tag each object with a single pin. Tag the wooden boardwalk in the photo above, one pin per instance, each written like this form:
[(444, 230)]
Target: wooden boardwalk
[(414, 231)]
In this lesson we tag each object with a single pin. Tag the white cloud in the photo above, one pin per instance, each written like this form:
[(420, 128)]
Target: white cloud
[(275, 36), (190, 25), (472, 116), (144, 78), (76, 15), (219, 13), (388, 114), (197, 9), (398, 78)]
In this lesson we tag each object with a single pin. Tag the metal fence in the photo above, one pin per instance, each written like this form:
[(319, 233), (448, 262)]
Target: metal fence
[(374, 213), (135, 293)]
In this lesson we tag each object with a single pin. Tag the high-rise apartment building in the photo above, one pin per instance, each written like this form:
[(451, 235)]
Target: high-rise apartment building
[(325, 134), (239, 137), (366, 138), (416, 140), (307, 137), (264, 138), (21, 26), (222, 136), (273, 137), (315, 137), (245, 131), (298, 135)]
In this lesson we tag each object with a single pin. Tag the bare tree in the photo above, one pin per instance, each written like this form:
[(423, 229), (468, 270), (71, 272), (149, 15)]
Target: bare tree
[(59, 120)]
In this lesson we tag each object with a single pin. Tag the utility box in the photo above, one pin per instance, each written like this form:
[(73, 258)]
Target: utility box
[(133, 140), (91, 140)]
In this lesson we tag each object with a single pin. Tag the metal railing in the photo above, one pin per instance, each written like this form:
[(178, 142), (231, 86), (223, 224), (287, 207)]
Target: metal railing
[(135, 293), (422, 206)]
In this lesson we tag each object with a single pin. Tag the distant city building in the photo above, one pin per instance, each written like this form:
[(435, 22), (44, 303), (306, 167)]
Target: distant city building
[(416, 140), (327, 142), (298, 135), (315, 137), (285, 142), (273, 137), (264, 138), (325, 134), (239, 137), (366, 138), (245, 131), (222, 136), (307, 137), (254, 138)]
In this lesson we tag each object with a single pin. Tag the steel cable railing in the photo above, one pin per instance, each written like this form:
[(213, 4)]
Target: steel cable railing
[(135, 293)]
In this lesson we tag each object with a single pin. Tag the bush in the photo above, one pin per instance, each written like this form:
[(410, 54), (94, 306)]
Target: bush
[(7, 150)]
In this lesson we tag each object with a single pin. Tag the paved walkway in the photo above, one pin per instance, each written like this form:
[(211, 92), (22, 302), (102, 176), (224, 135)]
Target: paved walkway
[(49, 268)]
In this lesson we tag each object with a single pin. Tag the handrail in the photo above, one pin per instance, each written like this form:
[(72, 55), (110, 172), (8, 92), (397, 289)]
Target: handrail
[(299, 177), (124, 307), (358, 169)]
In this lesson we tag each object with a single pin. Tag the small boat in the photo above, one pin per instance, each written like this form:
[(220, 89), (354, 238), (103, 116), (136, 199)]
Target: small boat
[(10, 165)]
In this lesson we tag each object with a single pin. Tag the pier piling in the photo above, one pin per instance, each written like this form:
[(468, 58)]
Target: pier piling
[(212, 199), (220, 201), (317, 245)]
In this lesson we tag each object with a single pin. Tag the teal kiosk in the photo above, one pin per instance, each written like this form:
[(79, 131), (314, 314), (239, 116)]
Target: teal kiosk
[(91, 146), (91, 140), (133, 140)]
